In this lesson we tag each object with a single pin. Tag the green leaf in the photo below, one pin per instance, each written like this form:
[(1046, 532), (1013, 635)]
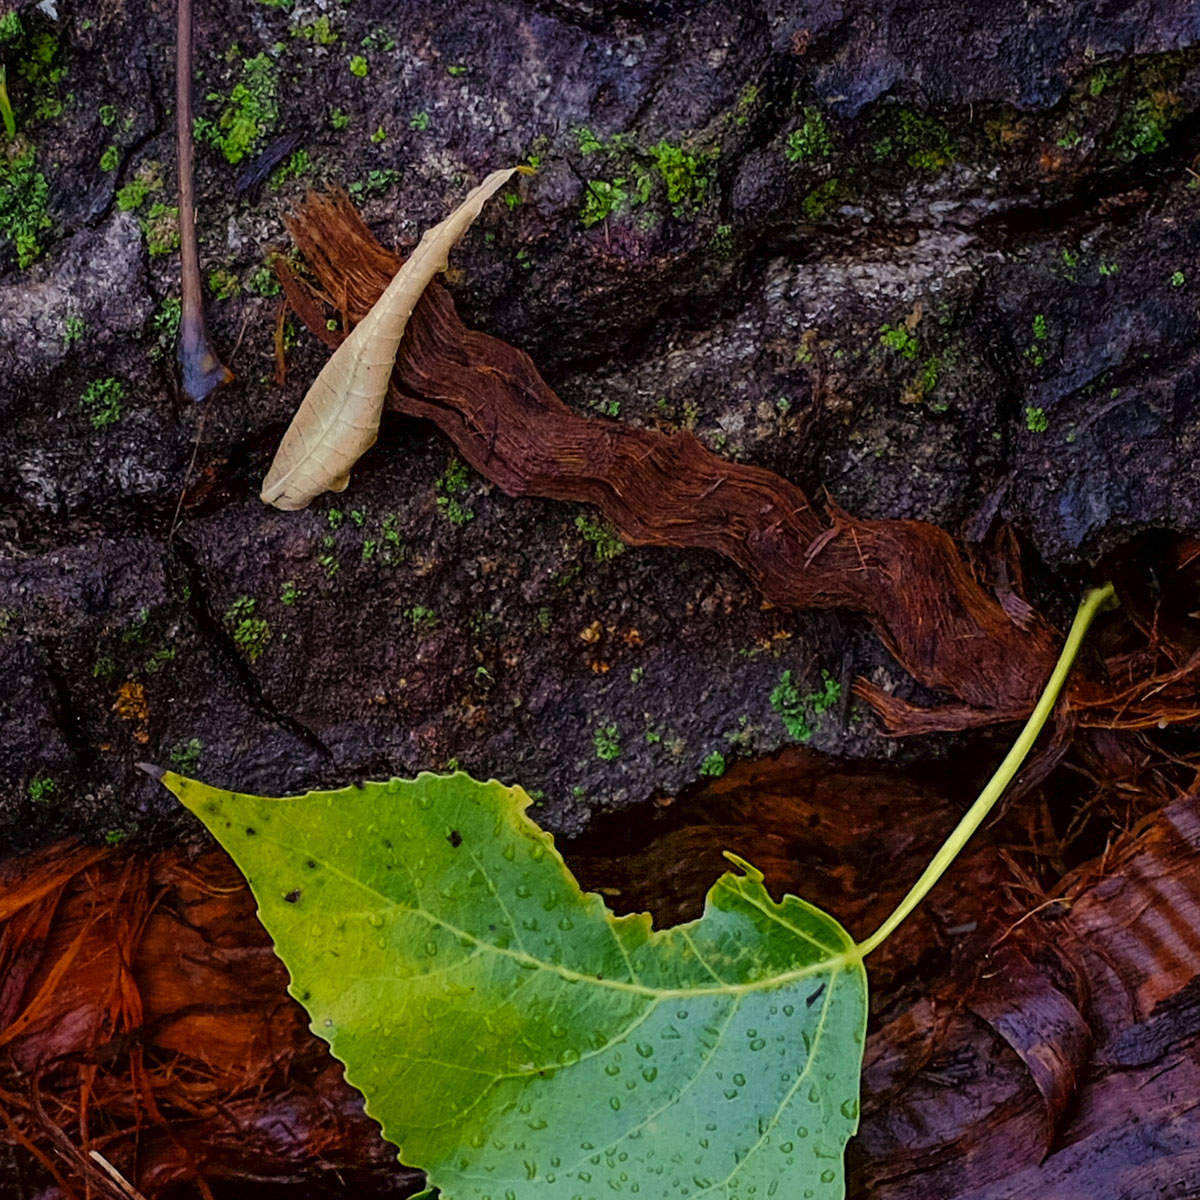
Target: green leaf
[(519, 1042)]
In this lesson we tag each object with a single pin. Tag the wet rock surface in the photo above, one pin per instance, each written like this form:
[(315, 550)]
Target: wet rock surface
[(944, 263)]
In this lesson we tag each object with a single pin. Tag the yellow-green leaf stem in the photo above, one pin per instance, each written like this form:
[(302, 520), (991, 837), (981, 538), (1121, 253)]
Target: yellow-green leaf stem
[(1092, 603)]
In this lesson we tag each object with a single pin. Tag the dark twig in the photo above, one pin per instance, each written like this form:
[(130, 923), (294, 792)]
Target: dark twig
[(201, 369)]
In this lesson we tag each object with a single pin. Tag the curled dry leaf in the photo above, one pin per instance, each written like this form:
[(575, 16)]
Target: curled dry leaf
[(339, 417)]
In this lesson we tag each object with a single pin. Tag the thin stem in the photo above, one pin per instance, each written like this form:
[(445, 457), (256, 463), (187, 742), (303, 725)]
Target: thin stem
[(1092, 603), (200, 368)]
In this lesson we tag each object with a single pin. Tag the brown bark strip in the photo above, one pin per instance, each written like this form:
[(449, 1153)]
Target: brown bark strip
[(907, 577)]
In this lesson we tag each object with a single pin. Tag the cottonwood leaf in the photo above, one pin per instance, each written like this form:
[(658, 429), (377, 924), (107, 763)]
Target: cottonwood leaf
[(518, 1041), (338, 420)]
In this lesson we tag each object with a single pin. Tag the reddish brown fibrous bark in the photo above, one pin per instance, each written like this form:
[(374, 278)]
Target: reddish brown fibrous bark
[(488, 398)]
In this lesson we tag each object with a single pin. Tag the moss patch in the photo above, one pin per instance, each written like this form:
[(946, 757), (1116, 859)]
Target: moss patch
[(811, 139), (249, 113), (23, 196), (101, 402)]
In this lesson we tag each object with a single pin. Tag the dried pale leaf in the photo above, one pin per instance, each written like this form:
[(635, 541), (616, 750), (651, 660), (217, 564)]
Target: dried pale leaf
[(339, 418)]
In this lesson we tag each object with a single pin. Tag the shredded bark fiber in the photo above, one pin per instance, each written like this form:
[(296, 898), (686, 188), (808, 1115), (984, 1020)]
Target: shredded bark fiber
[(144, 1016), (907, 577)]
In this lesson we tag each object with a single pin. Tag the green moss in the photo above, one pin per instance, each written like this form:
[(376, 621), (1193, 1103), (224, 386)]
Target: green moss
[(11, 28), (745, 104), (456, 70), (601, 199), (101, 402), (223, 284), (107, 114), (264, 282), (110, 159), (421, 617), (72, 330), (811, 140), (901, 340), (1107, 269), (23, 196), (359, 66), (922, 141), (419, 121), (453, 483), (250, 633), (132, 195), (827, 696), (685, 175), (1036, 351), (338, 119), (320, 32), (794, 709), (1143, 123), (42, 789), (606, 544), (35, 55), (785, 700), (379, 136), (607, 743), (1036, 420), (1104, 78), (290, 594), (1177, 279), (160, 226), (248, 115), (297, 165), (165, 325), (714, 765), (378, 179), (138, 629), (822, 200), (586, 141), (159, 659)]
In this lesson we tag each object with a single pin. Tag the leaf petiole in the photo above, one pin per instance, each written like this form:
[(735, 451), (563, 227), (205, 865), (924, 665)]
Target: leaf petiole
[(1093, 602)]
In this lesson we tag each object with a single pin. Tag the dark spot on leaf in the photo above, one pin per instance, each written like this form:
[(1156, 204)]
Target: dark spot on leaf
[(811, 1000), (360, 784), (454, 838), (311, 864), (250, 831), (387, 843), (293, 896)]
